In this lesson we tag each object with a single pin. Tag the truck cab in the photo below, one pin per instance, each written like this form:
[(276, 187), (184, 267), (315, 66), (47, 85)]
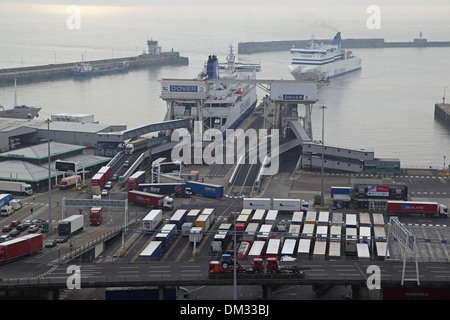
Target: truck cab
[(443, 211), (95, 216), (6, 211)]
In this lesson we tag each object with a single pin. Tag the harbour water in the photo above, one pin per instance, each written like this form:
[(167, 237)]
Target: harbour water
[(387, 106)]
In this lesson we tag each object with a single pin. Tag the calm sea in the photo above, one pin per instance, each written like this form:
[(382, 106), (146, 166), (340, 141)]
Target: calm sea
[(387, 106)]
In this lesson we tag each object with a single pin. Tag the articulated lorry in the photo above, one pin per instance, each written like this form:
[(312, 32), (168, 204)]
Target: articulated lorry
[(71, 225), (150, 199), (269, 267), (429, 209), (16, 187), (5, 198), (19, 247), (176, 189), (205, 189), (68, 182)]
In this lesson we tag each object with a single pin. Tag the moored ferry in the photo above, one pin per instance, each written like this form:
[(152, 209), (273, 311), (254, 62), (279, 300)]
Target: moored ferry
[(219, 105)]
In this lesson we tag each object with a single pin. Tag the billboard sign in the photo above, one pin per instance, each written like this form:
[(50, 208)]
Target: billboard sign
[(378, 191), (293, 91), (183, 89)]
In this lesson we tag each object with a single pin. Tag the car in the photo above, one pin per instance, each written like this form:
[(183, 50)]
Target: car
[(61, 239), (5, 238), (14, 233), (39, 222), (114, 177), (21, 227), (6, 228), (104, 192), (50, 243), (14, 223), (33, 228), (27, 223), (108, 185)]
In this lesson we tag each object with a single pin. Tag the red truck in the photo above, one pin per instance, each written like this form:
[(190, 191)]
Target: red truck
[(137, 178), (16, 248), (150, 199), (95, 216), (260, 266), (429, 209)]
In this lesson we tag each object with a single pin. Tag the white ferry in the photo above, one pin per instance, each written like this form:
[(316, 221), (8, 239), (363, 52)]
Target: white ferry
[(226, 104), (323, 62)]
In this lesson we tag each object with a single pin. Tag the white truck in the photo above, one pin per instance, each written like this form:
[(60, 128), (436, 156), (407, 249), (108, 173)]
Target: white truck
[(152, 220), (257, 203), (16, 187), (6, 211), (291, 205), (71, 225)]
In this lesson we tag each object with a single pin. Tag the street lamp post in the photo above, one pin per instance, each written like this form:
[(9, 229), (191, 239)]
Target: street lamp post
[(49, 181), (323, 130)]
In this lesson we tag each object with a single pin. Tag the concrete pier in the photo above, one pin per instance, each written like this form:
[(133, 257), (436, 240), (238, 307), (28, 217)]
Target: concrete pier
[(442, 112), (52, 71)]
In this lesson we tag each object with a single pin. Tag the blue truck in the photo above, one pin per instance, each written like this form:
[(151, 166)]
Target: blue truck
[(205, 189), (5, 198), (177, 189)]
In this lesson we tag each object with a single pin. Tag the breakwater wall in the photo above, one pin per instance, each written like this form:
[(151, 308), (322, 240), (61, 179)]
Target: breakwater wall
[(286, 45), (53, 71), (442, 112)]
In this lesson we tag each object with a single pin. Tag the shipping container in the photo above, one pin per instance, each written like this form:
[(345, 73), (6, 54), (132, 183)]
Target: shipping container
[(379, 233), (364, 219), (264, 232), (246, 211), (205, 189), (320, 250), (297, 217), (258, 216), (350, 241), (152, 252), (363, 251), (294, 231), (257, 203), (243, 250), (166, 235), (192, 215), (204, 221), (350, 220), (334, 250), (289, 205), (271, 217), (257, 249), (273, 248), (378, 219), (365, 234), (335, 233), (186, 228), (324, 218), (336, 219), (311, 217), (308, 231), (152, 220), (196, 234), (380, 247), (304, 249), (322, 233), (250, 232), (289, 247), (178, 218), (19, 247)]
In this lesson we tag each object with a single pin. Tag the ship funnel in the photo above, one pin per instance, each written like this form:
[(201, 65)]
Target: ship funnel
[(212, 67)]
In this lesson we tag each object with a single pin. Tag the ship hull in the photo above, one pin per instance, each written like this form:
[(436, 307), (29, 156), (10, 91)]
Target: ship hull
[(326, 71)]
